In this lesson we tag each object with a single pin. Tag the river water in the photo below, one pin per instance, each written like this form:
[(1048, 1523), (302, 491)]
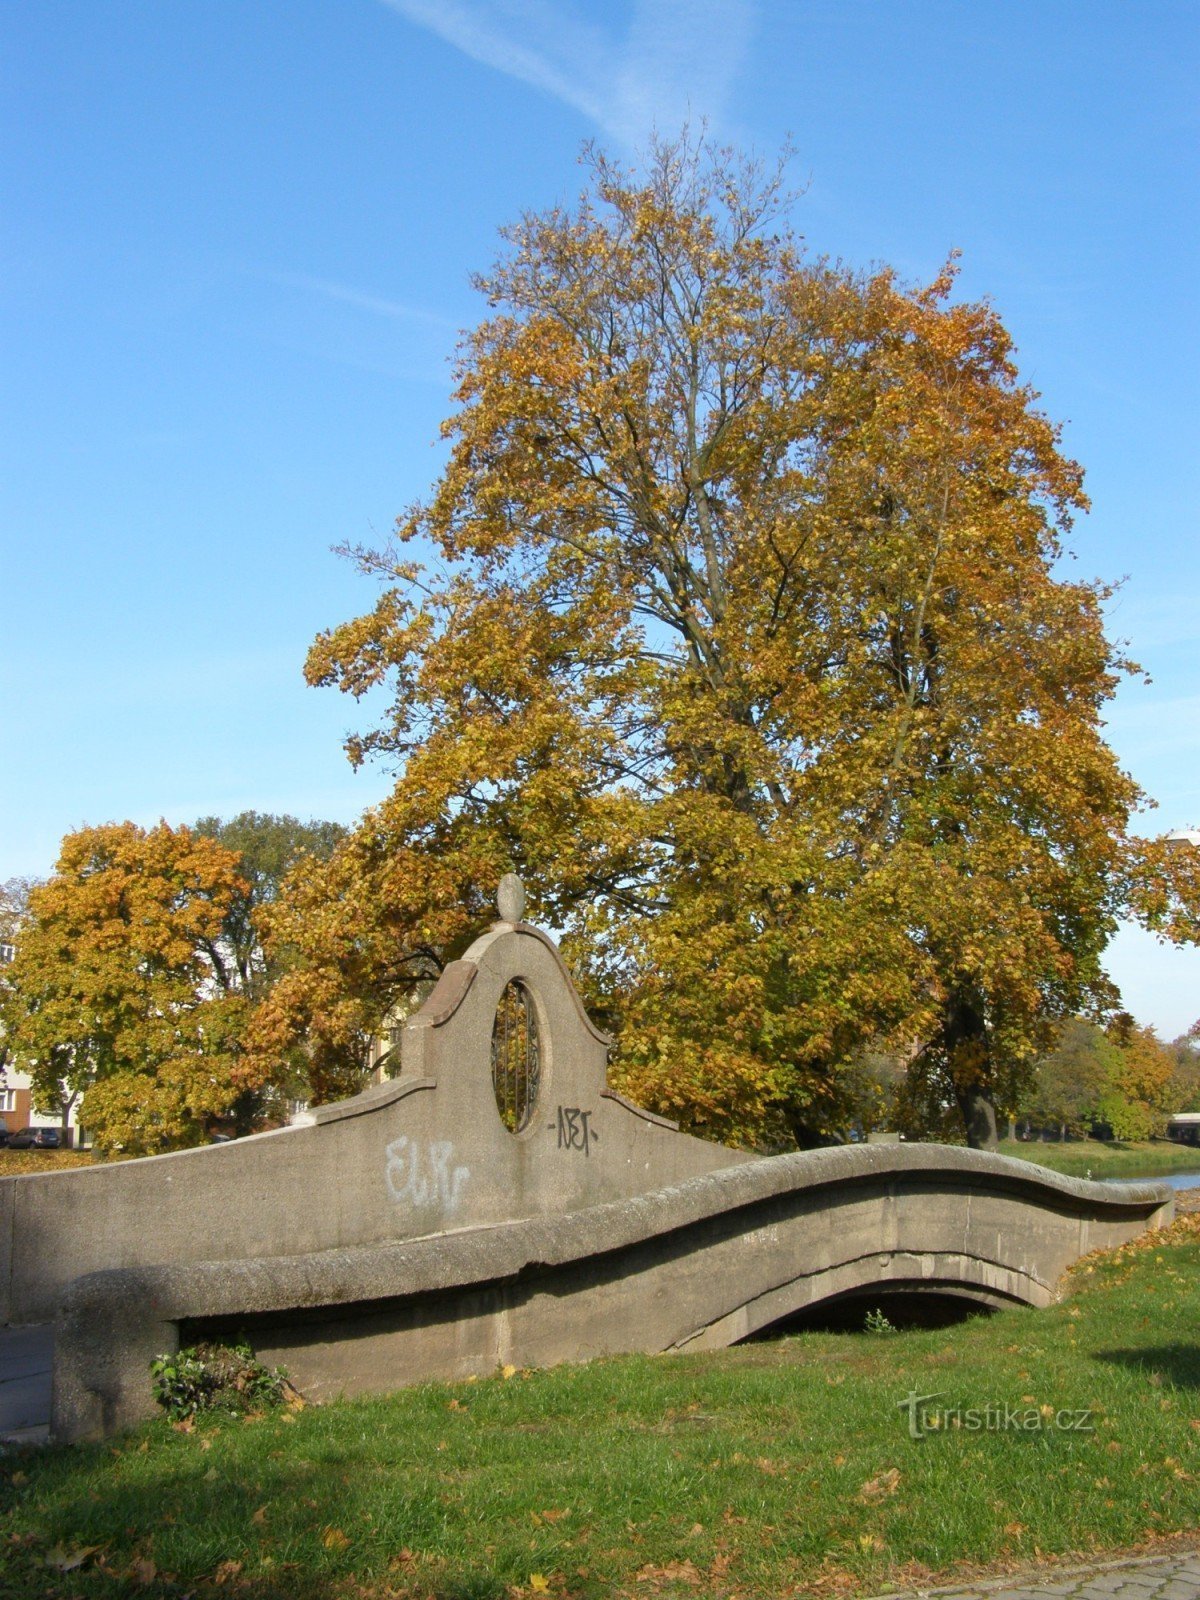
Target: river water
[(1176, 1180)]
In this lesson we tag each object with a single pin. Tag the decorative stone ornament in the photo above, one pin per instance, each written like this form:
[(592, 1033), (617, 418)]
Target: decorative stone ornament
[(510, 898)]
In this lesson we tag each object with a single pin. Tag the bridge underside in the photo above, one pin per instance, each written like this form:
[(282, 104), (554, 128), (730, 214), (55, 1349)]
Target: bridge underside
[(698, 1266)]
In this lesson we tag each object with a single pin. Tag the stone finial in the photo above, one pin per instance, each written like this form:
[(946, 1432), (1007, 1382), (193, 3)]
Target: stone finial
[(510, 898)]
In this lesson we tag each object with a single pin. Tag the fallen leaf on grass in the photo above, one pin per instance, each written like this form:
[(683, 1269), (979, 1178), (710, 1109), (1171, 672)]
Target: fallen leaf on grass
[(508, 1372), (260, 1516), (405, 1558), (882, 1487), (670, 1571), (539, 1583), (227, 1571), (143, 1571), (334, 1539), (187, 1425), (1014, 1529), (870, 1543), (64, 1560)]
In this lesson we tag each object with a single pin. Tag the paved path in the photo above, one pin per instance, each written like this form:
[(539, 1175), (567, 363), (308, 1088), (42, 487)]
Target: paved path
[(1173, 1577), (25, 1358)]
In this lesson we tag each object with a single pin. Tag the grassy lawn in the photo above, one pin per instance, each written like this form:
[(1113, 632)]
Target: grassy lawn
[(1078, 1157), (777, 1468), (15, 1163)]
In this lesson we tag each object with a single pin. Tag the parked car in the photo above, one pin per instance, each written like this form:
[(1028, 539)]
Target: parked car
[(35, 1139), (5, 1136)]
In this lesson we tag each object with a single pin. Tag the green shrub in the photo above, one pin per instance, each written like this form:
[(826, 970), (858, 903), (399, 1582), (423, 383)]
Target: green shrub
[(216, 1377)]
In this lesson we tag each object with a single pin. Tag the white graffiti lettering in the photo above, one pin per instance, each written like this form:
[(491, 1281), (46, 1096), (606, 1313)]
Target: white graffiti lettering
[(425, 1175)]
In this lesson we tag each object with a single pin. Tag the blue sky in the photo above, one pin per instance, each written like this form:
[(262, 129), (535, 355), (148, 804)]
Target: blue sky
[(236, 243)]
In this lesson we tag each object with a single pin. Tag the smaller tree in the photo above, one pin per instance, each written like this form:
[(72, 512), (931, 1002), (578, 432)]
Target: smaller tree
[(1069, 1082), (1185, 1079), (14, 907), (120, 990), (1136, 1100)]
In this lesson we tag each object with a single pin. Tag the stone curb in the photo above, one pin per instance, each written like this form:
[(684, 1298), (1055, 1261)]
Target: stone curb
[(1043, 1577)]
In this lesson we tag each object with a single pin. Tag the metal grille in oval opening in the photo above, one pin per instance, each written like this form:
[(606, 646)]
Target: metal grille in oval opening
[(516, 1057)]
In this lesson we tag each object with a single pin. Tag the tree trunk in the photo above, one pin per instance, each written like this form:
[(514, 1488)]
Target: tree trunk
[(978, 1111), (968, 1055), (65, 1105), (806, 1136)]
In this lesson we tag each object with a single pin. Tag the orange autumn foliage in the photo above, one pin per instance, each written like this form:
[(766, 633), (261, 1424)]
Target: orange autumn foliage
[(736, 623)]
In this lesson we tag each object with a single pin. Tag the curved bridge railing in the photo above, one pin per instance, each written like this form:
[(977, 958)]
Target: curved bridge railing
[(698, 1264)]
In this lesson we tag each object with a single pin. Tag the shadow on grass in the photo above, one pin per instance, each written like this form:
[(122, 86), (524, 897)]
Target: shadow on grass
[(1178, 1364), (258, 1526)]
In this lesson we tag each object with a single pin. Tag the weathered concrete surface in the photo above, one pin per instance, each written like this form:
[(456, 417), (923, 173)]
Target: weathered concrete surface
[(696, 1264), (1158, 1577), (422, 1153), (408, 1234), (26, 1357)]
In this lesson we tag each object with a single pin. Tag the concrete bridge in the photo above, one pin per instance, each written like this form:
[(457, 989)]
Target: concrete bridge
[(498, 1203)]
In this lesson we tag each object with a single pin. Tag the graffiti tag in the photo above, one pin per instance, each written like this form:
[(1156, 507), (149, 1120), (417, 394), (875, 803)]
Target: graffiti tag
[(425, 1175), (574, 1129)]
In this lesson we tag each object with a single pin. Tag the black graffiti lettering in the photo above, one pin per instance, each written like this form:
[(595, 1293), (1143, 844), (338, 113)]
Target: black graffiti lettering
[(574, 1129)]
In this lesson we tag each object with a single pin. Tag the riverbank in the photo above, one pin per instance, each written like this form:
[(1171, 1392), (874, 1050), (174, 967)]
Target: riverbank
[(1096, 1158), (833, 1465)]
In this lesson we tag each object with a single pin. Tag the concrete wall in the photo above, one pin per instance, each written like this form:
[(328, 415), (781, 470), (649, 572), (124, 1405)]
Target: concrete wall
[(698, 1264), (407, 1234), (417, 1155)]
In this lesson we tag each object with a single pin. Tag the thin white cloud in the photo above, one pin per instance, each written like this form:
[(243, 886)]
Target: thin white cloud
[(678, 60), (348, 295)]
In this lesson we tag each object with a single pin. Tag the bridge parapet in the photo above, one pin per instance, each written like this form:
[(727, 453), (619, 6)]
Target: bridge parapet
[(697, 1265), (496, 1202)]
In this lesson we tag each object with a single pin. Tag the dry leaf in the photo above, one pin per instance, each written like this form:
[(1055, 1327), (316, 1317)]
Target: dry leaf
[(260, 1516), (143, 1571), (63, 1560), (881, 1487), (334, 1539), (539, 1583), (676, 1571), (508, 1372), (226, 1571)]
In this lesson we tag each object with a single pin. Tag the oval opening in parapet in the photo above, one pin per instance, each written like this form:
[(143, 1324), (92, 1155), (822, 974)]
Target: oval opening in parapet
[(516, 1057)]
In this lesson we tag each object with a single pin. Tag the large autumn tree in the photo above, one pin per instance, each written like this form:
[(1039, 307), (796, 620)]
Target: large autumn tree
[(736, 623), (137, 966)]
